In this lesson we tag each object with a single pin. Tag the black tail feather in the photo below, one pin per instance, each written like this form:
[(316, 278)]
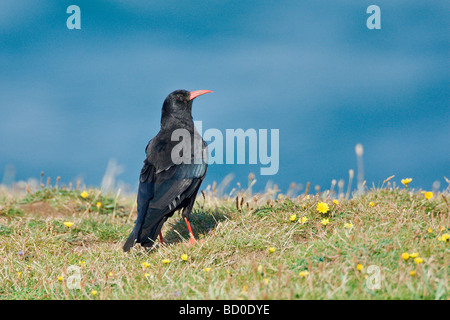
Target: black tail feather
[(147, 235), (130, 242)]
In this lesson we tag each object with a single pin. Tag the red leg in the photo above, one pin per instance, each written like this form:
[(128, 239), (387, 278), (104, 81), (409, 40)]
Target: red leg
[(192, 239), (161, 238)]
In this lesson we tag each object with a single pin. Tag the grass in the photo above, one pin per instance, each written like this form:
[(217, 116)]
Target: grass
[(248, 247)]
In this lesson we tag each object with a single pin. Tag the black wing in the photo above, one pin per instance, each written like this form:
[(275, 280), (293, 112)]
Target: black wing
[(145, 195), (161, 192), (173, 190)]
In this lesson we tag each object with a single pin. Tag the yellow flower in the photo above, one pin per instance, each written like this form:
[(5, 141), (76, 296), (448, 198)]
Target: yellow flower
[(266, 281), (428, 195), (359, 267), (405, 256), (348, 225), (303, 273), (19, 274), (68, 224), (293, 217), (271, 249), (165, 261), (184, 257), (325, 221), (322, 207), (245, 289), (145, 265), (430, 230), (207, 269), (84, 194), (445, 237), (98, 205), (406, 181), (60, 278), (418, 260), (335, 201), (442, 229), (412, 273), (81, 263), (413, 255), (146, 275), (371, 204), (94, 293)]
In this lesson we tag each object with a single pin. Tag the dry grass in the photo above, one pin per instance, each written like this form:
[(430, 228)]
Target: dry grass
[(232, 259)]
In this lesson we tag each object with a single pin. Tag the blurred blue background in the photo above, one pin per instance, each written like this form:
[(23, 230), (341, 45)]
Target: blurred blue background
[(71, 100)]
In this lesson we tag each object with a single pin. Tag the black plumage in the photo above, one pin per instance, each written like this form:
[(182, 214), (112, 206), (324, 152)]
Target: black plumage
[(166, 184)]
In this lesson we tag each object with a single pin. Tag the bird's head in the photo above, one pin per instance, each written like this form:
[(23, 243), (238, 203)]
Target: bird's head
[(178, 104)]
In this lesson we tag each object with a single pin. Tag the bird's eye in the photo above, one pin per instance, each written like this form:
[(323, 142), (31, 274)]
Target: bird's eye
[(180, 97)]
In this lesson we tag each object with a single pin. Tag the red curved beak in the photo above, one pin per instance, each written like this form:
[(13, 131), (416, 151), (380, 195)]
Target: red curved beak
[(196, 93)]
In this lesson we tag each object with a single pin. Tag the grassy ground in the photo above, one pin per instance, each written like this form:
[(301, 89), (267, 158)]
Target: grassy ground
[(249, 248)]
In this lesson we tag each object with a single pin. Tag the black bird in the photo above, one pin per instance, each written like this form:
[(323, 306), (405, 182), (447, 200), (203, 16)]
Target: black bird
[(173, 170)]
